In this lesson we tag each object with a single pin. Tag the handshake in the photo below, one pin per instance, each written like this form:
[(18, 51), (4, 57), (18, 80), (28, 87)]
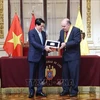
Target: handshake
[(51, 46)]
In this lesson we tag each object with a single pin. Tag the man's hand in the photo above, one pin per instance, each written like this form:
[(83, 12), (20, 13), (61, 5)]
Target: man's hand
[(47, 49), (53, 49), (63, 45)]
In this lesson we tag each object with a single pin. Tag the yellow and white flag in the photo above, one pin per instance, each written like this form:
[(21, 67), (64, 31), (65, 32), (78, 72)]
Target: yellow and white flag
[(83, 45)]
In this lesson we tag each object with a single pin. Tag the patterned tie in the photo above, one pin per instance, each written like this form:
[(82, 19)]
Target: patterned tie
[(65, 35)]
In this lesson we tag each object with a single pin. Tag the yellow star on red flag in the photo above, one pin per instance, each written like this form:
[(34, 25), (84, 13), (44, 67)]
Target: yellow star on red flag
[(15, 40)]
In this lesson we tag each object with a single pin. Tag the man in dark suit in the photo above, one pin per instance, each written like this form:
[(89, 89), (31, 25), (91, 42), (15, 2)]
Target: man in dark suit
[(37, 57), (71, 57)]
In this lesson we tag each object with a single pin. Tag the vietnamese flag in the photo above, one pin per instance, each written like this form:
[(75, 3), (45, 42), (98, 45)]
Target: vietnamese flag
[(32, 25), (14, 39)]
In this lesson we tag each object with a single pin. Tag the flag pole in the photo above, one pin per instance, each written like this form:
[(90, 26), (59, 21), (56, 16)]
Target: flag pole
[(15, 10), (32, 12), (10, 54), (78, 7)]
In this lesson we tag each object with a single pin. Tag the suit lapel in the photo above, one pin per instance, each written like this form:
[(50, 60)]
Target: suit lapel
[(63, 36), (43, 36), (37, 35)]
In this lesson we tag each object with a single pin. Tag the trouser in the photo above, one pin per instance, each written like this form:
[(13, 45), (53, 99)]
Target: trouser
[(36, 68), (70, 76)]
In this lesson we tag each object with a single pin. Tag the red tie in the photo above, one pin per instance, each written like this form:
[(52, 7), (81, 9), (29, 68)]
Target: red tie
[(66, 33)]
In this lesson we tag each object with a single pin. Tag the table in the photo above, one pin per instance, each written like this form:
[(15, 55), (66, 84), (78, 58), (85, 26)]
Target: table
[(15, 71)]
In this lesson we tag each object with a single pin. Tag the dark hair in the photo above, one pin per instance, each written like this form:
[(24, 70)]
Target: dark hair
[(38, 21), (83, 33)]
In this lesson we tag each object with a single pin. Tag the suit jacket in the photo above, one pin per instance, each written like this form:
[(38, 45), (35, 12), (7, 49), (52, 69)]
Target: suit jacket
[(36, 48), (72, 49)]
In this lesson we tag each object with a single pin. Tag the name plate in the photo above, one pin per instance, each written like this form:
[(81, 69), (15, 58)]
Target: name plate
[(52, 43)]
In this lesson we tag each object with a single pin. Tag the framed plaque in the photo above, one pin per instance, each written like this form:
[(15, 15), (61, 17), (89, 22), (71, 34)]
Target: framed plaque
[(52, 43)]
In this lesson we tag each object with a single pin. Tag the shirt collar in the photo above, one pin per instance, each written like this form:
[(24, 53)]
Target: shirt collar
[(37, 30)]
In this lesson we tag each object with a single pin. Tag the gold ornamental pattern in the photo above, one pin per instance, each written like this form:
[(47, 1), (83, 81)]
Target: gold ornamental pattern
[(88, 18), (1, 20)]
